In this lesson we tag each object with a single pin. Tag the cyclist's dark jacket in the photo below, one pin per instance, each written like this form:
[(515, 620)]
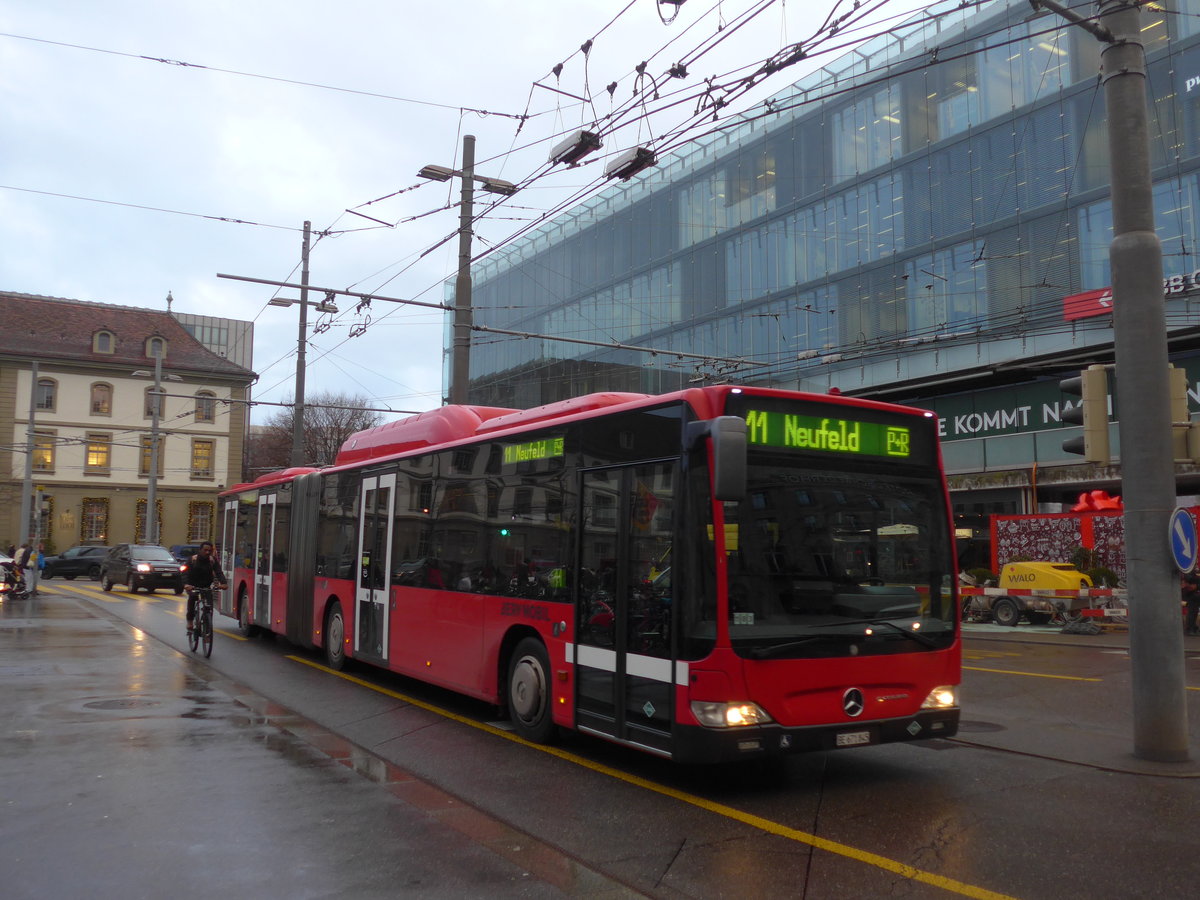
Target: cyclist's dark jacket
[(203, 572)]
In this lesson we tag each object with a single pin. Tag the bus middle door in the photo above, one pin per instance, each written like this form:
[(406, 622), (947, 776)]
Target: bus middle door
[(373, 584), (264, 550), (625, 671)]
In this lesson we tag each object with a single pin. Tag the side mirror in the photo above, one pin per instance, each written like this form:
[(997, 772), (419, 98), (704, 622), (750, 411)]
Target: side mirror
[(728, 435)]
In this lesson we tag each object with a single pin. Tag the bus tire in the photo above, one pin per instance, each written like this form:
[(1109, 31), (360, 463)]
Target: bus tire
[(335, 637), (243, 615), (529, 698)]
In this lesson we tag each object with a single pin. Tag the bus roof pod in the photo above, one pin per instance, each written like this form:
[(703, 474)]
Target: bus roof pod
[(437, 426), (559, 409)]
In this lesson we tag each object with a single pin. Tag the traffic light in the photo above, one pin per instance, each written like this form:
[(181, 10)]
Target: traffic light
[(1091, 387), (1180, 416)]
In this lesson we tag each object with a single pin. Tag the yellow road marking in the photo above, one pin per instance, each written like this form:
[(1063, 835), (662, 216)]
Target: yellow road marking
[(1031, 674), (793, 834), (988, 654), (108, 597)]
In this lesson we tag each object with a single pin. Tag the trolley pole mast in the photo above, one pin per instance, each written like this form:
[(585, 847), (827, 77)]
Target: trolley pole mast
[(1160, 729)]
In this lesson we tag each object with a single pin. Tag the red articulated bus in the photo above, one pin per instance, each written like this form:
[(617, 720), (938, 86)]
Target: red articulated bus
[(719, 573)]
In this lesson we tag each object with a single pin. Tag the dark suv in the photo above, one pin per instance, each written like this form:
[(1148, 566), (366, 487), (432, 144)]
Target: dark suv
[(141, 566), (184, 552), (81, 560)]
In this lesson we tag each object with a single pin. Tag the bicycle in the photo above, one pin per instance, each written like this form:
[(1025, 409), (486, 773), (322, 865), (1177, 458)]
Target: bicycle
[(202, 624)]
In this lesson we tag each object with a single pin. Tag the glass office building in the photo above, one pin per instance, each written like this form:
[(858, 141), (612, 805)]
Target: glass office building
[(923, 220)]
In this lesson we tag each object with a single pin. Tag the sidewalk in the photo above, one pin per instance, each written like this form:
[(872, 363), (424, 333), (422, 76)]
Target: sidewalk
[(1083, 721), (132, 770)]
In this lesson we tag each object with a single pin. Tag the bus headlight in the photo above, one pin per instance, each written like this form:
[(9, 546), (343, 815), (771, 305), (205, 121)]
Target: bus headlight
[(942, 697), (728, 715)]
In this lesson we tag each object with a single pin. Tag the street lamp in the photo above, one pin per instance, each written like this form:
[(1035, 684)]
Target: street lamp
[(460, 368), (325, 306), (151, 535)]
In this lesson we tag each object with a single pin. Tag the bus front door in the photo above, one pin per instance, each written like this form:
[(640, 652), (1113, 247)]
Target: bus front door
[(374, 563), (227, 553), (264, 545), (624, 666)]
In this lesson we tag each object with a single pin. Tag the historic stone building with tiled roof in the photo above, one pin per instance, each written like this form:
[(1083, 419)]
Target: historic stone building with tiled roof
[(77, 384)]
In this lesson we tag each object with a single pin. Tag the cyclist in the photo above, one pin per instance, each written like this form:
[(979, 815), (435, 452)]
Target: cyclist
[(203, 571)]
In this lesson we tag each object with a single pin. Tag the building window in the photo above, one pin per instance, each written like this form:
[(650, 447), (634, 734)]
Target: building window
[(150, 394), (866, 134), (156, 347), (947, 290), (45, 516), (200, 519), (206, 406), (43, 451), (99, 454), (103, 342), (144, 456), (203, 451), (93, 525), (139, 526), (47, 394), (102, 395)]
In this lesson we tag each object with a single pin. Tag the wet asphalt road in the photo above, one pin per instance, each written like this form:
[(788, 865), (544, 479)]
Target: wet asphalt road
[(131, 769)]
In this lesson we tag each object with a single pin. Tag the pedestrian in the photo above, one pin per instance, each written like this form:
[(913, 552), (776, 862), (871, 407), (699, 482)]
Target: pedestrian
[(23, 555), (37, 562), (1190, 590)]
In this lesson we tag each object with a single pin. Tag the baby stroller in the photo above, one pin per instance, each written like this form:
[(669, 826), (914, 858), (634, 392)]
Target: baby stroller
[(13, 581)]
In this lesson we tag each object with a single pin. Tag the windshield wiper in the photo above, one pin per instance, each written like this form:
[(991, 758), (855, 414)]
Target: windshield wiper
[(777, 649), (923, 639)]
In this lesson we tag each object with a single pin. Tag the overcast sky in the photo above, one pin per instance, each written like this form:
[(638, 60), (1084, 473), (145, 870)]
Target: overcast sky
[(117, 168)]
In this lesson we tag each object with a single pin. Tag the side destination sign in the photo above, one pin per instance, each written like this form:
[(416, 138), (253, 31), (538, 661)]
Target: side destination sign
[(544, 449), (776, 429)]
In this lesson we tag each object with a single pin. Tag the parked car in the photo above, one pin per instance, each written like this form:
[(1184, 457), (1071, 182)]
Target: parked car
[(184, 552), (70, 564), (137, 566)]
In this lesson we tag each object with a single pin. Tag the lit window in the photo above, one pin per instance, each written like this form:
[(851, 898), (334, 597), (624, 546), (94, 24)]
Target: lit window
[(144, 456), (43, 451), (99, 449), (202, 458), (102, 399)]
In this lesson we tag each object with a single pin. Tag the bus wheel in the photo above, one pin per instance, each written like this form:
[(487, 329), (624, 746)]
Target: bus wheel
[(1006, 612), (529, 692), (243, 615), (335, 637)]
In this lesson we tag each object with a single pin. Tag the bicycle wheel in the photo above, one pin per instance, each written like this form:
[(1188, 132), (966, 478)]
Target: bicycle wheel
[(206, 631), (194, 634)]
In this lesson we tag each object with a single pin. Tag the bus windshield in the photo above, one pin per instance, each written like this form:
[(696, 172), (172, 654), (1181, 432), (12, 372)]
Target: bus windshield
[(831, 562)]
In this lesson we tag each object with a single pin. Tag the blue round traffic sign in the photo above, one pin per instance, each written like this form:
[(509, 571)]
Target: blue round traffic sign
[(1182, 537)]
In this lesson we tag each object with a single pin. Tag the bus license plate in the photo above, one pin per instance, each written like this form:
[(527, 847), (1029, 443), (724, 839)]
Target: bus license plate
[(853, 738)]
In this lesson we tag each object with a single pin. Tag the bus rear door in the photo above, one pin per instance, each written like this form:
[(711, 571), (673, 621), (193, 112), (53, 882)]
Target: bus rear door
[(374, 564), (624, 667), (264, 544)]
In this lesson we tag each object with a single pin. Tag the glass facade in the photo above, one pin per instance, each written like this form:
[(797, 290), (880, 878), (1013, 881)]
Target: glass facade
[(946, 182)]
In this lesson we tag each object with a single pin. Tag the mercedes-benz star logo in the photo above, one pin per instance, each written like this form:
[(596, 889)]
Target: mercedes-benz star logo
[(852, 702)]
